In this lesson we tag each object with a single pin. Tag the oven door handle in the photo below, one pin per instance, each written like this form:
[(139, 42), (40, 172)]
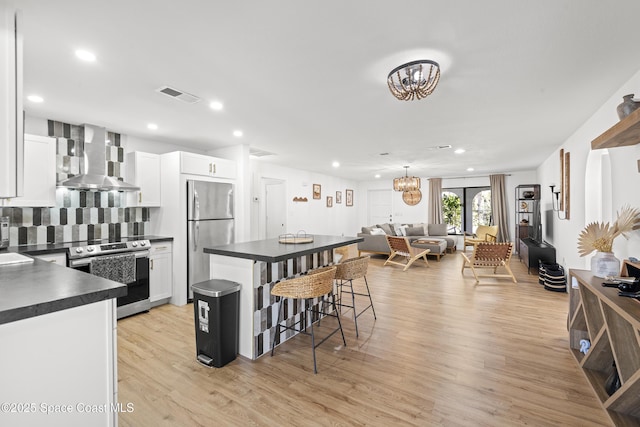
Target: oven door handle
[(80, 262)]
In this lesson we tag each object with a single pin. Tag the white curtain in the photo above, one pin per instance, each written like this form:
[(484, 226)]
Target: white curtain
[(435, 215), (499, 207)]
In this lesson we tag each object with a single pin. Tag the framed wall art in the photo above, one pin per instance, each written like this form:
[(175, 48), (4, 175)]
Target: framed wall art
[(338, 196), (316, 191), (349, 197), (329, 201)]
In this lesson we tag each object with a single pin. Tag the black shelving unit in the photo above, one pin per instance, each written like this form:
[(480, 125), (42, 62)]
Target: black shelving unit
[(528, 222), (528, 238)]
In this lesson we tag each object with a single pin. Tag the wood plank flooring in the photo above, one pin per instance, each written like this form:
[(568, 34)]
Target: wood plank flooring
[(443, 352)]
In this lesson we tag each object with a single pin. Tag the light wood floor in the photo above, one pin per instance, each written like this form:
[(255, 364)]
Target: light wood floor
[(443, 352)]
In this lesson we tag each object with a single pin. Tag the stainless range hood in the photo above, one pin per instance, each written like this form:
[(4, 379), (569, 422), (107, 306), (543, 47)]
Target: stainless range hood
[(94, 176)]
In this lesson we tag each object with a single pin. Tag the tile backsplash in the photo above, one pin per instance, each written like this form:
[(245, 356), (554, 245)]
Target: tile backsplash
[(78, 215)]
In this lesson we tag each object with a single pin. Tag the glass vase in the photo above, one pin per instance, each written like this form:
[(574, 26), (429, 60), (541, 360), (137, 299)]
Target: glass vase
[(605, 264)]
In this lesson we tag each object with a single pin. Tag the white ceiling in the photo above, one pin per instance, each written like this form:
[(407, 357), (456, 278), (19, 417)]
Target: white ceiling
[(307, 80)]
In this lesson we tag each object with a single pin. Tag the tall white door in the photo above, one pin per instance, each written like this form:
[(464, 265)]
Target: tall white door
[(275, 208), (379, 209)]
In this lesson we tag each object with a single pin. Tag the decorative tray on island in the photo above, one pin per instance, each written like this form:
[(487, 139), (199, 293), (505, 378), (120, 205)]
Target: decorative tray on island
[(300, 237)]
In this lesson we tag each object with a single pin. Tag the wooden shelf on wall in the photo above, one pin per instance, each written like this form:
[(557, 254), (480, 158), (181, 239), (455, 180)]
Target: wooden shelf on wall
[(625, 132)]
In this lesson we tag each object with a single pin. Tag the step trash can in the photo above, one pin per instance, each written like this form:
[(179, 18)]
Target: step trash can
[(216, 306)]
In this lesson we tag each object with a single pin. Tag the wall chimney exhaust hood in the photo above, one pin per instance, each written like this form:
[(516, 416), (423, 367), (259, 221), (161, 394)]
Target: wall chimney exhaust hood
[(94, 176)]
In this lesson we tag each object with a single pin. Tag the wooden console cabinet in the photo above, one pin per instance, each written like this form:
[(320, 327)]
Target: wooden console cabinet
[(612, 324)]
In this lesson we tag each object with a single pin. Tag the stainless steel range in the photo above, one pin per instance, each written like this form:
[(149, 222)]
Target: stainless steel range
[(124, 262)]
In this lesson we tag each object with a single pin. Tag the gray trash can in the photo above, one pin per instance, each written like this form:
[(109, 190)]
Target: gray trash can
[(216, 306)]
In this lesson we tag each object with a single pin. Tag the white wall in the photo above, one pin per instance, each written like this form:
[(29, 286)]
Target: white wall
[(622, 187), (313, 216)]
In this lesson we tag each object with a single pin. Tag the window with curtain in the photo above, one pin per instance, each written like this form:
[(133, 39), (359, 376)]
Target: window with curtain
[(465, 208)]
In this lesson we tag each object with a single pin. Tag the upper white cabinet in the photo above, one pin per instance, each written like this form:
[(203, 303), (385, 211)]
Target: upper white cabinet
[(39, 173), (198, 164), (143, 170), (11, 115)]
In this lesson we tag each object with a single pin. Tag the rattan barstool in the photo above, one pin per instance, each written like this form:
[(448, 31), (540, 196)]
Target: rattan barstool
[(348, 271), (315, 284)]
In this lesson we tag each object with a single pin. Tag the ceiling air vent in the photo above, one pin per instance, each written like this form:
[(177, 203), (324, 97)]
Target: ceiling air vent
[(259, 153), (178, 94)]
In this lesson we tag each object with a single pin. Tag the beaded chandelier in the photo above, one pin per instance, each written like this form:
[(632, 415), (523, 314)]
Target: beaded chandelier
[(414, 80), (406, 183)]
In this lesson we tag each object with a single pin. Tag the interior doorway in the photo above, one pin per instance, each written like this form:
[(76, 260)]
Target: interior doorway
[(275, 194), (379, 207)]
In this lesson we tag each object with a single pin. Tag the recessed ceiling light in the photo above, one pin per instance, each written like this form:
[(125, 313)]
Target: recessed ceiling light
[(85, 55), (377, 175), (237, 133), (460, 151), (335, 164), (216, 105), (35, 98), (152, 126), (470, 169)]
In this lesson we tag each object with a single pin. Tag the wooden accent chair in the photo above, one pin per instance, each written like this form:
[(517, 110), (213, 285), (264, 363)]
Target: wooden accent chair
[(489, 255), (401, 246), (484, 233), (313, 286)]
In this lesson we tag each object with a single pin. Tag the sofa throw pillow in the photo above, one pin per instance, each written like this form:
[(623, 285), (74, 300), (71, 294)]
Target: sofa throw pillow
[(415, 231), (401, 230), (377, 232), (387, 229), (437, 229), (367, 230), (424, 226)]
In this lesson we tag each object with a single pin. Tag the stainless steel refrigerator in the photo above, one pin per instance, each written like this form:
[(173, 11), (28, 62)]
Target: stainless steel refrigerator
[(209, 223)]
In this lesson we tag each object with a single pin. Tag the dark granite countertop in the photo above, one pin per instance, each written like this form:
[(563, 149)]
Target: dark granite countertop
[(270, 250), (51, 248), (33, 289)]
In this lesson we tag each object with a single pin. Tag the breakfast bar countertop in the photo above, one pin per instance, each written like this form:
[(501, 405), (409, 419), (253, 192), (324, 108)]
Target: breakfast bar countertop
[(271, 250)]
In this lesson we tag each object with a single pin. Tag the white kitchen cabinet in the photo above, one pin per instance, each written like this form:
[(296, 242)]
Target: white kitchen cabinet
[(143, 170), (39, 173), (55, 258), (11, 114), (160, 272), (198, 164)]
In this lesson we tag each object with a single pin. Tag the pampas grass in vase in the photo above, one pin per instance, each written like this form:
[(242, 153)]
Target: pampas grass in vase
[(599, 237)]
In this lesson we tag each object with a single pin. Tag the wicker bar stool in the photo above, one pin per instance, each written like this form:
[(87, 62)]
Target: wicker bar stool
[(348, 271), (316, 284)]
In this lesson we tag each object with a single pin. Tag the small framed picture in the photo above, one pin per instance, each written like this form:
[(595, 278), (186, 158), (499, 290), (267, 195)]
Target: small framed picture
[(338, 197), (329, 201), (316, 191), (349, 197)]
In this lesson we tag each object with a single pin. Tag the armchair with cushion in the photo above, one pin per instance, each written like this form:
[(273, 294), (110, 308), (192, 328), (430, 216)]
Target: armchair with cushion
[(484, 233)]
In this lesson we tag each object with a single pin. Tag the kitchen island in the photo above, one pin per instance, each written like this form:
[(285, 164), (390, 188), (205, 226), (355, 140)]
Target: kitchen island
[(257, 265), (58, 361)]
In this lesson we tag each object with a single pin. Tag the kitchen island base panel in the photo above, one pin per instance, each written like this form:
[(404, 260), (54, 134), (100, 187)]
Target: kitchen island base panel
[(66, 358), (258, 323)]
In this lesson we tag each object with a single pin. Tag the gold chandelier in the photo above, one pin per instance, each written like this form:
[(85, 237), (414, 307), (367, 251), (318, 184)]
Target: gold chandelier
[(406, 182), (414, 80)]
